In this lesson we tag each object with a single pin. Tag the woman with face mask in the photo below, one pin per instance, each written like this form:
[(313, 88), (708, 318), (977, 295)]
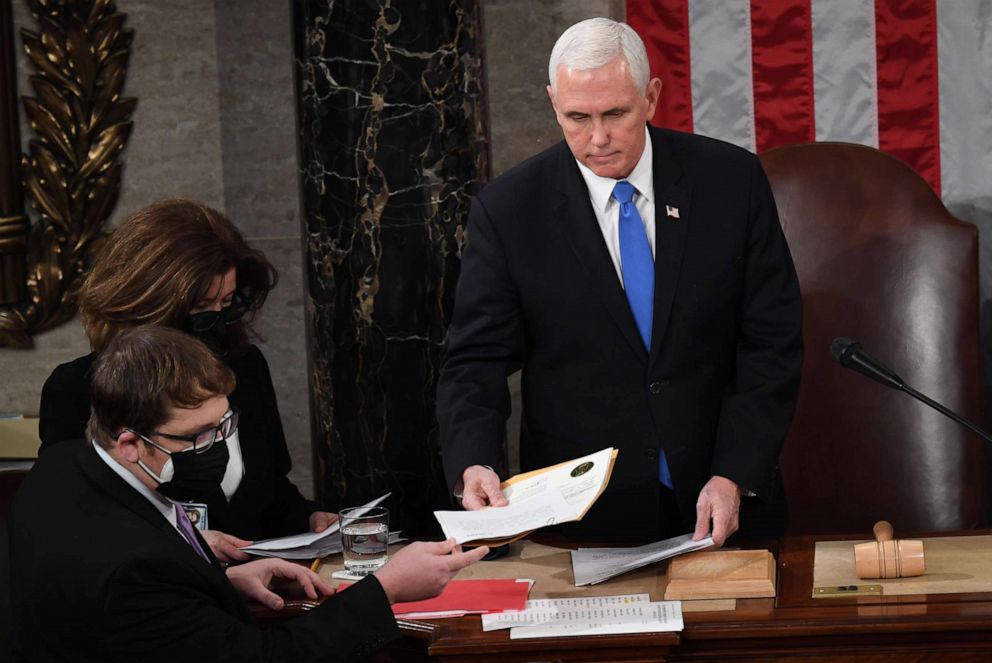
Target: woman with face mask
[(181, 264)]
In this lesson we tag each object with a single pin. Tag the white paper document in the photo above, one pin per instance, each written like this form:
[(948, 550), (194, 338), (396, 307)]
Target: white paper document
[(550, 496), (601, 615), (330, 545), (308, 540), (540, 511), (594, 565), (544, 611)]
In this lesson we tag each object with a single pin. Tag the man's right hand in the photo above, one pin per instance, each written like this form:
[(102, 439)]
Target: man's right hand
[(252, 580), (480, 487), (422, 570)]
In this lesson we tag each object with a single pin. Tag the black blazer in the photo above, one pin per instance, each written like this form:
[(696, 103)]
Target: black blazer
[(97, 574), (266, 503), (538, 290)]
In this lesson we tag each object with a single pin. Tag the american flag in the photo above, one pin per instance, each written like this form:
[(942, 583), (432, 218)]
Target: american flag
[(910, 77)]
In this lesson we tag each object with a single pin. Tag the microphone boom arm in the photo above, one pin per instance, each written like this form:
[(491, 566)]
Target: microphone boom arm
[(851, 355), (947, 412)]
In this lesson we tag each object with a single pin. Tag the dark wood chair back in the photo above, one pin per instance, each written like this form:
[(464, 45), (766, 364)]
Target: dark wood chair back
[(881, 261), (10, 481)]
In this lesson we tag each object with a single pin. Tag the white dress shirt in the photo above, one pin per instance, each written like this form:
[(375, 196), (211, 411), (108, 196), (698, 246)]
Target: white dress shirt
[(163, 504), (607, 209)]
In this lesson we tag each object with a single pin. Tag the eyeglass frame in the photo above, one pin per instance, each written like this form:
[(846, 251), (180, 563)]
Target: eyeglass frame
[(230, 418)]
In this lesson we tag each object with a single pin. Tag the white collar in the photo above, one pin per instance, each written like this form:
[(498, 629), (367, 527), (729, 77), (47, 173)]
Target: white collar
[(164, 505), (642, 177)]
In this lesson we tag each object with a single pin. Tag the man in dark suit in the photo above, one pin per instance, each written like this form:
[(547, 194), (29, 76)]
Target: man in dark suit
[(104, 568), (641, 280)]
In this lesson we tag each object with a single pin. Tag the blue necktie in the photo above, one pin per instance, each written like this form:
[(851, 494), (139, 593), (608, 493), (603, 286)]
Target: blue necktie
[(637, 266)]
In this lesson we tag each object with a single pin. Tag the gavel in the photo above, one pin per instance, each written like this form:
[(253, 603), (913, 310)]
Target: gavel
[(888, 558)]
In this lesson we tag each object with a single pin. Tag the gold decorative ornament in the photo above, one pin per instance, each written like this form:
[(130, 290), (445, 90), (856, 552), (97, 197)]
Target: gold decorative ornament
[(72, 170)]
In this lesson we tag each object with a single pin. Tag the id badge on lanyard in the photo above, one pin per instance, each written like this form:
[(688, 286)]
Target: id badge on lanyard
[(197, 514)]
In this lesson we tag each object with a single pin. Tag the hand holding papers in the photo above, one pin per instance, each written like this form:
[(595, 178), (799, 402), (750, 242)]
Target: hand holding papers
[(594, 565), (556, 494)]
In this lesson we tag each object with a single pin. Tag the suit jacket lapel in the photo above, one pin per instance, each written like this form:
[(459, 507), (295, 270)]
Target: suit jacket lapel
[(107, 481), (670, 190), (573, 212)]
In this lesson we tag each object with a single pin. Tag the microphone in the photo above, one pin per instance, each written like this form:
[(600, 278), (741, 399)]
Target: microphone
[(851, 355)]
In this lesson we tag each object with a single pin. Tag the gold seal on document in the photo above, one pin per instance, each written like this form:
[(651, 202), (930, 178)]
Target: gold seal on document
[(582, 469)]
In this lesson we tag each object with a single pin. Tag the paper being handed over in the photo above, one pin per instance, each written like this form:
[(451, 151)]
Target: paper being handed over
[(552, 495)]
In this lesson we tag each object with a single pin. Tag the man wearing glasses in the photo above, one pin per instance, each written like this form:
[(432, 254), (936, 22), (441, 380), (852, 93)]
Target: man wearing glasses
[(104, 567)]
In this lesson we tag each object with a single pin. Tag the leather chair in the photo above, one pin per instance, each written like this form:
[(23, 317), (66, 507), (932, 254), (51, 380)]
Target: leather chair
[(10, 481), (881, 261)]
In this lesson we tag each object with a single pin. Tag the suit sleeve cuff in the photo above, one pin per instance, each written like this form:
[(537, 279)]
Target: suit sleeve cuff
[(368, 605)]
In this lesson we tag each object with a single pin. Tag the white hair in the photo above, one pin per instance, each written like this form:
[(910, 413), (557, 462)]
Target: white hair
[(592, 43)]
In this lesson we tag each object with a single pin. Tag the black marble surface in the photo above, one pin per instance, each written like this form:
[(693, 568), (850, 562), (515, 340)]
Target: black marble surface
[(392, 148)]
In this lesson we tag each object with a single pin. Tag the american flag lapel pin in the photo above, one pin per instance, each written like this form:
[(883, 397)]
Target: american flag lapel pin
[(672, 212)]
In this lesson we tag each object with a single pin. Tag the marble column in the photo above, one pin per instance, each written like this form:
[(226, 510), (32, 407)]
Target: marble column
[(392, 149)]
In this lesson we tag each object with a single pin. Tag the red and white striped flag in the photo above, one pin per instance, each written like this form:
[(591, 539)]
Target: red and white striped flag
[(910, 77)]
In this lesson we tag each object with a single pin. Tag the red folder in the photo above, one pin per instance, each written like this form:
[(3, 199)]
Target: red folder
[(470, 596)]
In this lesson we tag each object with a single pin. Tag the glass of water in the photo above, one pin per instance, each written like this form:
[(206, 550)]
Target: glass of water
[(364, 537)]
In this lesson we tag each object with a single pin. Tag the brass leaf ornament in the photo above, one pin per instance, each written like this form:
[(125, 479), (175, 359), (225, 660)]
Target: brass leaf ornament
[(71, 172)]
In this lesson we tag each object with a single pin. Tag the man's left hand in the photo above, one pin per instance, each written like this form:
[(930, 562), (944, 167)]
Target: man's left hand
[(252, 580), (720, 502), (226, 547), (321, 520)]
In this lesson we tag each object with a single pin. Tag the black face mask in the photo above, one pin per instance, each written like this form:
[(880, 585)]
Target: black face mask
[(196, 477), (214, 335), (211, 326)]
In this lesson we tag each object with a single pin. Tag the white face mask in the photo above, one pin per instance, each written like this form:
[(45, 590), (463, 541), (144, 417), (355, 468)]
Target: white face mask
[(235, 471), (167, 471)]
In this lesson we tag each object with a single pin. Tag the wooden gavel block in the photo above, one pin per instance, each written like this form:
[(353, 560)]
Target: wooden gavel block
[(889, 558)]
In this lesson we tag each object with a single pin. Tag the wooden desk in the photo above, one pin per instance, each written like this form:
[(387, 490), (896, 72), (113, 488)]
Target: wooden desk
[(791, 627)]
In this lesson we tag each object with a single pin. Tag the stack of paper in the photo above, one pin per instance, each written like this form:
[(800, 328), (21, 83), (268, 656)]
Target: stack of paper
[(287, 548), (556, 494), (590, 615), (594, 565), (308, 545), (466, 597)]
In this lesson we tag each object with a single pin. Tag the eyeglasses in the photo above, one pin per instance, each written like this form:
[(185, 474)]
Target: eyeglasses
[(202, 441), (204, 320)]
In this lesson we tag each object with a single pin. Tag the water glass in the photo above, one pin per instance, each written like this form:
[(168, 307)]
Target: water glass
[(364, 537)]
